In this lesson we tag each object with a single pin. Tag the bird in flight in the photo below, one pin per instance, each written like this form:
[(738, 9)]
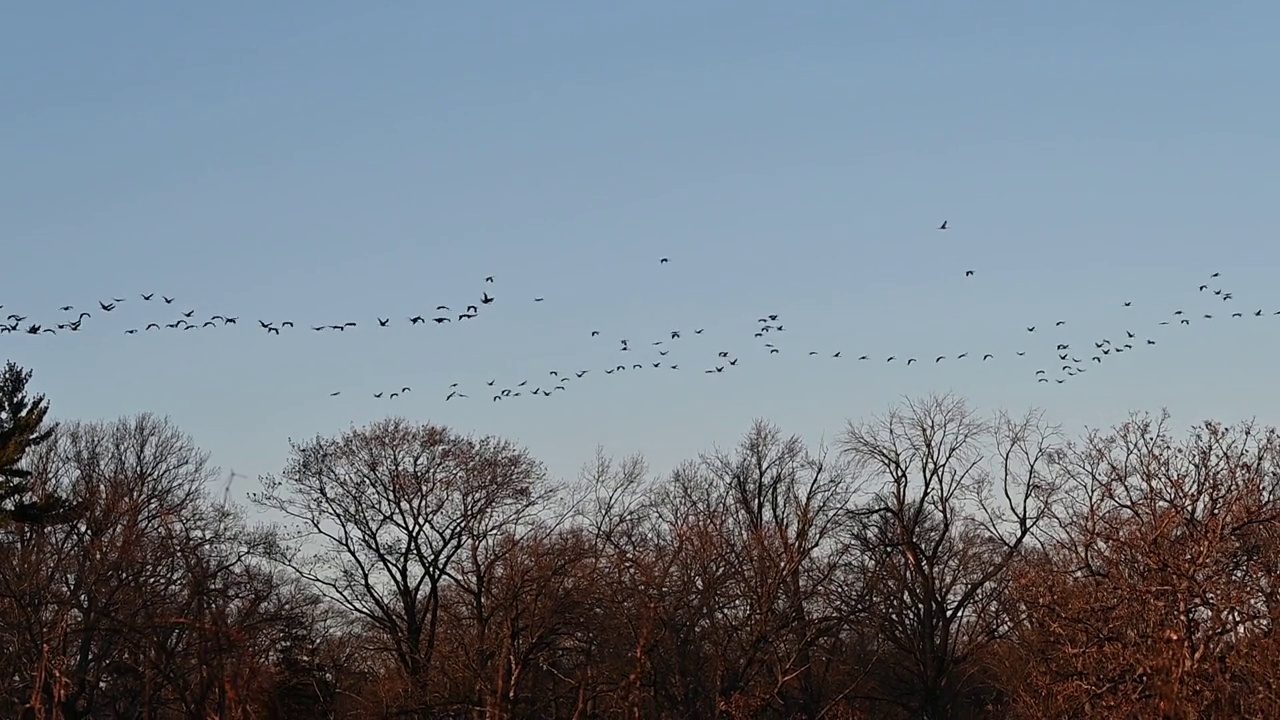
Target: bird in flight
[(660, 347)]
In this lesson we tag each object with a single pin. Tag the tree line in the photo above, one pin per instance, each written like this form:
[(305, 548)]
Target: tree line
[(935, 563)]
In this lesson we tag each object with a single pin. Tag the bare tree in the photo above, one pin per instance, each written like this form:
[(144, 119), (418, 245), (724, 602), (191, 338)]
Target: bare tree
[(786, 509), (511, 589), (942, 565), (719, 573), (958, 499), (608, 663), (1158, 595), (105, 599), (382, 514), (509, 624)]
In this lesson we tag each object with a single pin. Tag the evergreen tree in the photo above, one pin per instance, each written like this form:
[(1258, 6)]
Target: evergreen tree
[(302, 686), (22, 427)]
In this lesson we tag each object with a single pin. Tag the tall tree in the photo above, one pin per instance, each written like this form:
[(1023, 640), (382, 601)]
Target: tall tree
[(383, 517), (958, 499), (22, 427), (1157, 595), (142, 606), (784, 511)]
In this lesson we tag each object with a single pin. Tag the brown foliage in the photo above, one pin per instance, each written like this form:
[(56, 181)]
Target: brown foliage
[(937, 565), (144, 606), (397, 514), (957, 500), (1157, 596)]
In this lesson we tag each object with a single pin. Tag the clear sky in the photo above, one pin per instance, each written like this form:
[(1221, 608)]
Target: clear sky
[(331, 162)]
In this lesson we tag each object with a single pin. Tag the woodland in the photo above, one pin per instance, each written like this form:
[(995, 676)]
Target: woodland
[(933, 562)]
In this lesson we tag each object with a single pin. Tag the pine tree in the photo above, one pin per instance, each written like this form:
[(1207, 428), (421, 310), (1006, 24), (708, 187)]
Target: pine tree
[(22, 427), (301, 685)]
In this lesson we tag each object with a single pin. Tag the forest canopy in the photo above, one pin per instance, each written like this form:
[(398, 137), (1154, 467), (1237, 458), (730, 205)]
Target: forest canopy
[(933, 562)]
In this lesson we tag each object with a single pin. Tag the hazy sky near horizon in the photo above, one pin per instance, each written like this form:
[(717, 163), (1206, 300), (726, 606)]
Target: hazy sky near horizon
[(326, 162)]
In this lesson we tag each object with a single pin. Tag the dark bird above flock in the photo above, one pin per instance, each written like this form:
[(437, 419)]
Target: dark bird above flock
[(1068, 361)]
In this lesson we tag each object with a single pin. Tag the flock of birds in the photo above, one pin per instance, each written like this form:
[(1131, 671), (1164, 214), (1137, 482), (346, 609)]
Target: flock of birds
[(1072, 360)]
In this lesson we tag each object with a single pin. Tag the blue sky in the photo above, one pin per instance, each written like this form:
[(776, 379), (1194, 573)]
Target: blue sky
[(328, 162)]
